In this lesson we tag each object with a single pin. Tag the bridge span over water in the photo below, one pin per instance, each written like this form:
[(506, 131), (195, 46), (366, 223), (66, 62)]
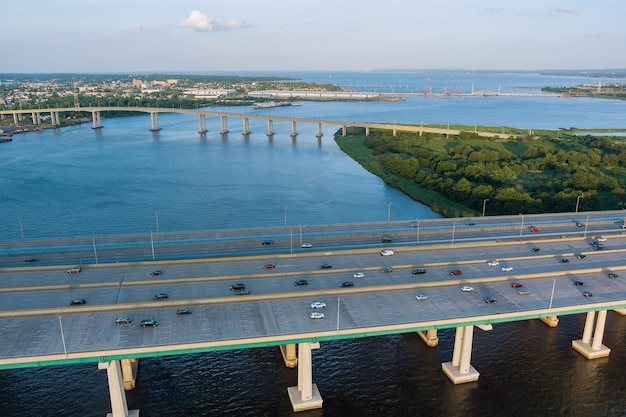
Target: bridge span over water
[(120, 276), (154, 112)]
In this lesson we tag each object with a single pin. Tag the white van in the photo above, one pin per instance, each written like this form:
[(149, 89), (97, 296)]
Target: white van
[(73, 270)]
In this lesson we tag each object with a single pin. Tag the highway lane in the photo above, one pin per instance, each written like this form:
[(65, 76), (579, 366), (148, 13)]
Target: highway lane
[(187, 282), (159, 246)]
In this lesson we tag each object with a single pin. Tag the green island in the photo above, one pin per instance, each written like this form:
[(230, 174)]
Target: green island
[(562, 170)]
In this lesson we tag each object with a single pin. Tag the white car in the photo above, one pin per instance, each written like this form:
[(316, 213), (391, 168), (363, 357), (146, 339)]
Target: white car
[(386, 252), (493, 263), (358, 275), (467, 288), (316, 315), (421, 297), (318, 304), (307, 245), (601, 239), (507, 268)]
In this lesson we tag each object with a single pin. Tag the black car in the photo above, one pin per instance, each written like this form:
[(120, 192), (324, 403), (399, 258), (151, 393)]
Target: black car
[(535, 250), (587, 294), (267, 242), (31, 260), (123, 320), (612, 275), (418, 271), (238, 286), (78, 301), (325, 266), (183, 311), (160, 296), (386, 240), (242, 292), (581, 256), (490, 300), (156, 272), (301, 282), (563, 260), (386, 269), (149, 323), (347, 284), (578, 282)]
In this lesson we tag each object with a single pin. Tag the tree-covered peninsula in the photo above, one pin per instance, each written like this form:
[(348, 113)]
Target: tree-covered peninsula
[(547, 171)]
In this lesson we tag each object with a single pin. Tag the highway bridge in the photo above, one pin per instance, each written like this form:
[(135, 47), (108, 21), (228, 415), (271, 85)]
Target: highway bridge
[(568, 263), (55, 120)]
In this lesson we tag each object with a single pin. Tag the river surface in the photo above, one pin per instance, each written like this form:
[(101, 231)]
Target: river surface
[(124, 179)]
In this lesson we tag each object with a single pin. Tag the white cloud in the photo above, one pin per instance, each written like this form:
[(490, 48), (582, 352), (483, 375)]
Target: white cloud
[(565, 10), (203, 23)]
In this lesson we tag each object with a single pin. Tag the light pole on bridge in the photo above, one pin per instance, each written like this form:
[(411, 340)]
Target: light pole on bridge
[(485, 205), (577, 203)]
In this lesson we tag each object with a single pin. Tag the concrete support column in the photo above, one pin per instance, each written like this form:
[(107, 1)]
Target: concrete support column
[(343, 130), (154, 121), (367, 130), (36, 119), (202, 123), (119, 407), (305, 396), (96, 122), (270, 127), (289, 355), (319, 131), (129, 372), (15, 118), (589, 347), (294, 132), (54, 118), (223, 125), (460, 370), (429, 337), (246, 126), (393, 132)]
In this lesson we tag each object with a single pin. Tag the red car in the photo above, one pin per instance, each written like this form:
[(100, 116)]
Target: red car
[(456, 272), (269, 266), (517, 285), (534, 230)]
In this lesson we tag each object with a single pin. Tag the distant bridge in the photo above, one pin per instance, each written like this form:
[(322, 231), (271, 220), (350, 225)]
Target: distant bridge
[(55, 120)]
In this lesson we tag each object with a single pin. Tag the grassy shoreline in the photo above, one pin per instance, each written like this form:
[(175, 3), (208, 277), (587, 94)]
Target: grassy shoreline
[(354, 147)]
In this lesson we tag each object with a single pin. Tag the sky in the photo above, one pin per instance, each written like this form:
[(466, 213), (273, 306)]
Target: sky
[(100, 36)]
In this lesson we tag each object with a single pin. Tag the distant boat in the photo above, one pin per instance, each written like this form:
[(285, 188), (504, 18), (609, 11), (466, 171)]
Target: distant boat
[(270, 104)]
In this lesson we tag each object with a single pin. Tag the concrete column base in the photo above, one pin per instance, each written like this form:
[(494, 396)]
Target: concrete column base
[(131, 413), (551, 321), (429, 337), (298, 404), (588, 352), (129, 372), (452, 372), (155, 129)]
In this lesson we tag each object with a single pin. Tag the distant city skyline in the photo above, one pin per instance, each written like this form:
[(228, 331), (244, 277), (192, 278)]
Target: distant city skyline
[(244, 35)]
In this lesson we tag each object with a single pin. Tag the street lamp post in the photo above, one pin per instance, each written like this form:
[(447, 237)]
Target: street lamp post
[(521, 229), (22, 229), (338, 304), (552, 295), (586, 225), (453, 229), (417, 232), (485, 205), (577, 202), (95, 254), (152, 244), (388, 212)]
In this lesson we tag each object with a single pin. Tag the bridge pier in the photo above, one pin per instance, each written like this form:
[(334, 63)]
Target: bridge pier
[(54, 118), (551, 321), (154, 122), (459, 370), (270, 127), (294, 132), (119, 407), (202, 123), (343, 130), (36, 118), (305, 396), (289, 355), (429, 337), (96, 120), (367, 130), (223, 125), (246, 126), (319, 131), (592, 347), (129, 372)]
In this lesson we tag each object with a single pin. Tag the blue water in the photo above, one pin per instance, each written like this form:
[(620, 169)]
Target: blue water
[(117, 180)]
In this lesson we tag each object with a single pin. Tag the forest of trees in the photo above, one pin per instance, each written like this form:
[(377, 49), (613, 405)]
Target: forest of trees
[(519, 175)]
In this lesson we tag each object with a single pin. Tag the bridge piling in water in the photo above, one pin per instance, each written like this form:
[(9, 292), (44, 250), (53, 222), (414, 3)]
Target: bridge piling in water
[(319, 131), (305, 396), (202, 123), (154, 121), (289, 355), (294, 132), (592, 347), (270, 127), (460, 370), (129, 372), (223, 125), (96, 120), (119, 406), (246, 126), (429, 337)]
